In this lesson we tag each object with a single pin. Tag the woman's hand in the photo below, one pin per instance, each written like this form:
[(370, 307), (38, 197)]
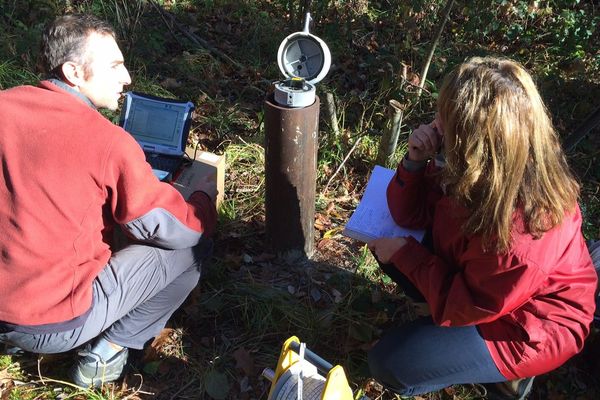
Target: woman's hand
[(385, 248), (425, 141)]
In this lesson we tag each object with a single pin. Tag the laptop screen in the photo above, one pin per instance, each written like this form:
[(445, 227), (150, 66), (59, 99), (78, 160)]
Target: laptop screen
[(158, 125)]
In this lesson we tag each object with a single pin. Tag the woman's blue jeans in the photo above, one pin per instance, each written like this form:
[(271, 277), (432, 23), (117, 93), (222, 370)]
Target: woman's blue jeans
[(421, 357)]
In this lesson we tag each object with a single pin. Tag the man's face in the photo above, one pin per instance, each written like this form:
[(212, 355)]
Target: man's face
[(105, 72)]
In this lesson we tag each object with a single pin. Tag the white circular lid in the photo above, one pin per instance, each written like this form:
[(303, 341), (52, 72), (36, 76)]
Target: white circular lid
[(303, 55)]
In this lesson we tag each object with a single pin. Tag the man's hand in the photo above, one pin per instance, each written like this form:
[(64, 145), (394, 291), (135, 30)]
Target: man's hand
[(208, 185), (425, 141), (385, 248)]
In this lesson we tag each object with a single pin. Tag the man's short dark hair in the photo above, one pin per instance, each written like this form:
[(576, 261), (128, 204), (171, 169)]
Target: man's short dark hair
[(64, 40)]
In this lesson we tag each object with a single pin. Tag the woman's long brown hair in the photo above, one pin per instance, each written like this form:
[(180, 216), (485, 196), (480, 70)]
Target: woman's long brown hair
[(502, 152)]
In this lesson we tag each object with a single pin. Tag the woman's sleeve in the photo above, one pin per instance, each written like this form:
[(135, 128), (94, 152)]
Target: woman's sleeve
[(412, 196)]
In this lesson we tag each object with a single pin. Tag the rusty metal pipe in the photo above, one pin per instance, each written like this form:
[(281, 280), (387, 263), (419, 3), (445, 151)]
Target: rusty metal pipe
[(291, 142)]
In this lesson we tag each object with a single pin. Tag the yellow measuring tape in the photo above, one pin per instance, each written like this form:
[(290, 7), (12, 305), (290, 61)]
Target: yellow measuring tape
[(303, 375)]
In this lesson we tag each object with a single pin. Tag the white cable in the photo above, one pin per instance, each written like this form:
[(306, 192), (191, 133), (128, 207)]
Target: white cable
[(301, 373)]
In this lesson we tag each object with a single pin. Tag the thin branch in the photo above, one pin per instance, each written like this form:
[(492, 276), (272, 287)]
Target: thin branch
[(586, 127), (342, 164), (436, 39), (169, 25), (184, 387), (39, 369), (196, 39)]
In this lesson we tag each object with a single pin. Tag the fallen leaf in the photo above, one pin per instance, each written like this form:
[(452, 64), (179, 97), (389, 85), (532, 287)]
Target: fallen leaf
[(381, 318), (244, 361), (332, 232), (315, 294), (322, 222), (450, 390), (170, 83), (330, 207), (414, 79), (6, 386), (217, 385), (373, 385), (153, 352), (323, 243), (245, 384), (337, 296)]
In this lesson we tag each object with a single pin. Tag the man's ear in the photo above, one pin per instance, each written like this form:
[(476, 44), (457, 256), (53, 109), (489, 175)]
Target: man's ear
[(73, 73)]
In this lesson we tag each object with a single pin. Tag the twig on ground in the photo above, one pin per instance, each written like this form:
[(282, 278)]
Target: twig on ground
[(138, 390), (341, 164), (39, 369)]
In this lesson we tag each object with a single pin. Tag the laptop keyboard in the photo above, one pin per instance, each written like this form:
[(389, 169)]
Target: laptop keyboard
[(164, 163)]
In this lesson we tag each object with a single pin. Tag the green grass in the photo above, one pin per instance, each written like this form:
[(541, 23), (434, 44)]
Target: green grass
[(244, 185), (12, 74)]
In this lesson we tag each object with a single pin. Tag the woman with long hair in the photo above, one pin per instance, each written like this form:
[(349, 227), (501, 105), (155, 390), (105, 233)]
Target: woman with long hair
[(507, 276)]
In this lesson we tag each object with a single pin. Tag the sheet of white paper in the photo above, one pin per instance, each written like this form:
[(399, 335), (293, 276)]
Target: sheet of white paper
[(372, 218)]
